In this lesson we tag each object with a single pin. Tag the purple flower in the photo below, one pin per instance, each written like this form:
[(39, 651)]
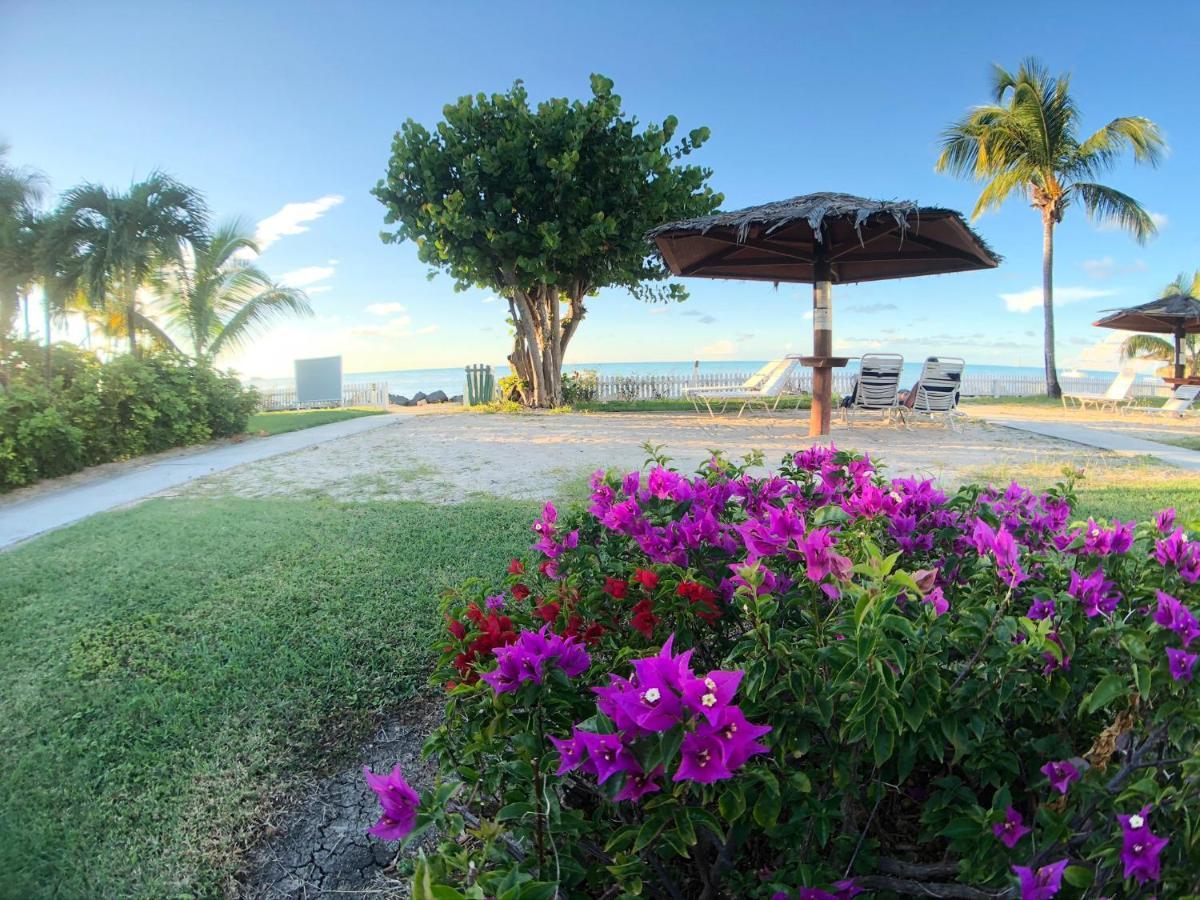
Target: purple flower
[(496, 601), (709, 695), (1095, 592), (1042, 884), (1176, 550), (1041, 608), (526, 660), (571, 752), (609, 755), (638, 784), (1140, 848), (737, 737), (1178, 618), (937, 600), (1181, 662), (1100, 541), (845, 890), (702, 759), (1165, 520), (1012, 829), (1061, 774), (398, 801)]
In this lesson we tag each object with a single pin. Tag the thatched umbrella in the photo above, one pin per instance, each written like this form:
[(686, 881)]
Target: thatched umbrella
[(823, 239), (1176, 314)]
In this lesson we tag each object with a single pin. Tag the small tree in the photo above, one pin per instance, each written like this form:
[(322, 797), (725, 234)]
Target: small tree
[(544, 206)]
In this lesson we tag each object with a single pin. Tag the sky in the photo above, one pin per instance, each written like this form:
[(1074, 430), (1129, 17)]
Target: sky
[(283, 113)]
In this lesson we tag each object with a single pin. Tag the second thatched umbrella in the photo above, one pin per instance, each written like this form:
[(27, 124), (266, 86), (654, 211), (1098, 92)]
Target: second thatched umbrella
[(823, 239), (1175, 314)]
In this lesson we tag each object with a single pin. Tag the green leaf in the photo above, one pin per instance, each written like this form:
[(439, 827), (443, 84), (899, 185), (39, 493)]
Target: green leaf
[(766, 809), (1111, 687), (1078, 876), (732, 803), (515, 811)]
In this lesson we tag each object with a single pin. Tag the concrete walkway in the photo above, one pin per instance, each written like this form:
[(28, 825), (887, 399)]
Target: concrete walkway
[(1102, 439), (56, 508)]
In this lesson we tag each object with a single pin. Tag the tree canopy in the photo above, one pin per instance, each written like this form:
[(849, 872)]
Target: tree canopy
[(545, 205)]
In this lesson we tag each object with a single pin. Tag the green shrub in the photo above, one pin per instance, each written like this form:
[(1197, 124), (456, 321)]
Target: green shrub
[(89, 412)]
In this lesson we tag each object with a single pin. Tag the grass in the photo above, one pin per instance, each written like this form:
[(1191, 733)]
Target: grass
[(1187, 441), (676, 405), (1125, 488), (168, 668), (295, 420)]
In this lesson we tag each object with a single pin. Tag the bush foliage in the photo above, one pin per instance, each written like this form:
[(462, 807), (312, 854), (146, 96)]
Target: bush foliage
[(813, 684), (89, 412)]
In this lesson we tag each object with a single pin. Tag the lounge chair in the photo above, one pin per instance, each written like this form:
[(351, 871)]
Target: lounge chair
[(877, 386), (1118, 396), (1178, 404), (765, 387), (936, 392)]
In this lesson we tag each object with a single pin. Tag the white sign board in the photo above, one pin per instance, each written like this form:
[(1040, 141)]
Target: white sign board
[(319, 380)]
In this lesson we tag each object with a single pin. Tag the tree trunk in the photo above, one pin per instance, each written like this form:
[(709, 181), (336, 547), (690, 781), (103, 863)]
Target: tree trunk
[(131, 311), (26, 305), (49, 341), (541, 339), (1053, 389)]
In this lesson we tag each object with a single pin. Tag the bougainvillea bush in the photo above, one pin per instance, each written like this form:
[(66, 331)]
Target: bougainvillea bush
[(819, 683)]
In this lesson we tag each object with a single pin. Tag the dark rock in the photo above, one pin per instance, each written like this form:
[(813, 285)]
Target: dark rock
[(457, 398), (398, 400), (418, 397), (437, 397)]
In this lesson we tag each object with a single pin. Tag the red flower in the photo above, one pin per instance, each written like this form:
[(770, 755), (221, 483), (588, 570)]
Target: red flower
[(702, 596), (644, 618), (456, 628), (520, 591), (516, 568), (548, 612), (593, 633), (646, 578), (616, 588), (475, 614)]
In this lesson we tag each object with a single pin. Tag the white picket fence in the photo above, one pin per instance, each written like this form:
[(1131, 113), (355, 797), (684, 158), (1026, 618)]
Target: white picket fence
[(616, 388), (367, 393)]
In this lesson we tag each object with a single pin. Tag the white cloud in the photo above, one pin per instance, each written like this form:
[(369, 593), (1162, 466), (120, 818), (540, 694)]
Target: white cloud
[(1100, 268), (659, 310), (720, 348), (290, 219), (385, 309), (319, 289), (1031, 299), (1160, 220), (490, 298), (307, 275), (400, 327)]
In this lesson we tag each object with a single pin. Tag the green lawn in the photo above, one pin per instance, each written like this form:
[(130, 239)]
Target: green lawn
[(1187, 441), (167, 667), (294, 420)]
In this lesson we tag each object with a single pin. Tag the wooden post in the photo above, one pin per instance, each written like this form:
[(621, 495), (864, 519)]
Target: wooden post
[(1179, 366), (818, 424)]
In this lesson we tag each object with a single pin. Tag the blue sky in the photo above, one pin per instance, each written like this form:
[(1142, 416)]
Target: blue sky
[(283, 113)]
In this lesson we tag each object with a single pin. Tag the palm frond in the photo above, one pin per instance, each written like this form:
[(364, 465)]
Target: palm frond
[(1184, 284), (1147, 346), (272, 304), (1107, 204), (1099, 152)]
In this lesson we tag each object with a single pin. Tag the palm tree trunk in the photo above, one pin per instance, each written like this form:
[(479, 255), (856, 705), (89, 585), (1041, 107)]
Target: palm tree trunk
[(1053, 389), (49, 340), (130, 311)]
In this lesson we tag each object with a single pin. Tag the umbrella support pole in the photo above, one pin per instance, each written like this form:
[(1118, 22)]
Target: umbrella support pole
[(822, 393)]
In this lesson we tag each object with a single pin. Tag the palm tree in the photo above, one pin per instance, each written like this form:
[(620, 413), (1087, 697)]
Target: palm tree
[(215, 297), (1025, 143), (1149, 346), (112, 242), (20, 195)]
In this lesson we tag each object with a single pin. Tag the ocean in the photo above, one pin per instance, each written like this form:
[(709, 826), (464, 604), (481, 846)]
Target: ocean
[(453, 380)]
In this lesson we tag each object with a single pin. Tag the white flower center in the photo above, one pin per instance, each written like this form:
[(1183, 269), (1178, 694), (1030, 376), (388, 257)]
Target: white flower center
[(710, 684), (651, 696), (709, 699), (702, 758), (1136, 821)]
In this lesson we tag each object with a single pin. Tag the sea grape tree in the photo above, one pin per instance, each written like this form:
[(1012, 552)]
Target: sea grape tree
[(545, 205)]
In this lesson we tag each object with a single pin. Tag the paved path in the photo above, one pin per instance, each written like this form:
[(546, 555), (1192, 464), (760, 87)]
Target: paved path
[(54, 509), (1105, 440)]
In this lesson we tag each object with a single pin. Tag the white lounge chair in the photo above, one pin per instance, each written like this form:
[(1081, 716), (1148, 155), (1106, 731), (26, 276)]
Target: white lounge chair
[(877, 386), (766, 387), (936, 392), (1179, 403), (1118, 396)]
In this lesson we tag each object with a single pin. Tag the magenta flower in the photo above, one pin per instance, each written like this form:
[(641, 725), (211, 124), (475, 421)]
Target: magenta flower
[(1164, 521), (1061, 774), (701, 759), (609, 755), (1181, 663), (737, 737), (653, 703), (844, 890), (1041, 608), (1012, 829), (1177, 551), (937, 600), (398, 801), (572, 753), (709, 695), (1042, 884), (1100, 541), (496, 601), (1140, 848), (1095, 592), (1175, 616), (527, 658), (638, 784)]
